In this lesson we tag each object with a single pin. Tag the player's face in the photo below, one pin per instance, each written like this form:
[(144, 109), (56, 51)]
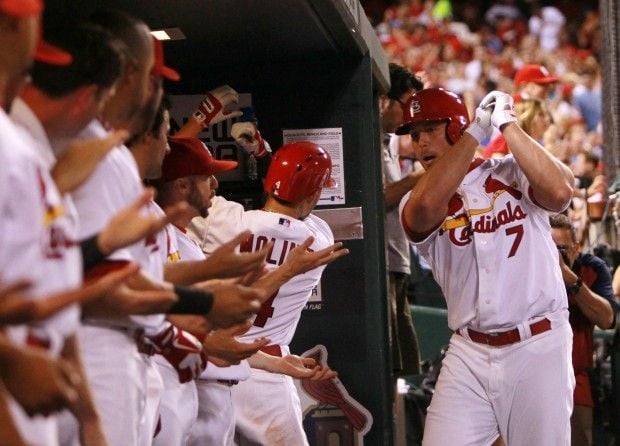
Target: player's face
[(563, 240), (430, 142), (139, 92), (200, 194), (17, 50), (85, 109), (159, 148), (308, 204), (538, 91)]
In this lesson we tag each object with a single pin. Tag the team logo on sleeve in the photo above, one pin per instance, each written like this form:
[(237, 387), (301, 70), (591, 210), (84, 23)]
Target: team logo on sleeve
[(461, 223)]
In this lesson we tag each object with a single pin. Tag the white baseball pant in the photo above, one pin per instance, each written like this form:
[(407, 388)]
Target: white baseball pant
[(523, 391), (268, 411)]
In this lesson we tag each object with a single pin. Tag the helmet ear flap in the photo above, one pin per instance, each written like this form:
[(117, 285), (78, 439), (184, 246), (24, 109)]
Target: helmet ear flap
[(454, 131)]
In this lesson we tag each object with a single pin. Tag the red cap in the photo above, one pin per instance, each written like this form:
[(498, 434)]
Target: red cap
[(534, 73), (160, 68), (21, 8), (189, 156), (45, 52), (50, 54)]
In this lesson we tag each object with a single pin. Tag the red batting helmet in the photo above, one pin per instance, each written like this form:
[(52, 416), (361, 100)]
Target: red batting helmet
[(298, 170), (435, 104)]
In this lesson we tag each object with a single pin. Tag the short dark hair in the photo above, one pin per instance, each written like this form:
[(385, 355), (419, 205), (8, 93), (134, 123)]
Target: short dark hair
[(561, 221), (402, 81), (158, 119), (97, 60), (126, 28), (590, 157)]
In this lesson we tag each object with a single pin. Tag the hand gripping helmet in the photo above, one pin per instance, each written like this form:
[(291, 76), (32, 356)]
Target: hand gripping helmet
[(298, 170), (435, 104)]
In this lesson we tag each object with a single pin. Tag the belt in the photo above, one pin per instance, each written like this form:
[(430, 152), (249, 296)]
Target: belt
[(501, 338), (143, 344), (228, 382), (273, 350)]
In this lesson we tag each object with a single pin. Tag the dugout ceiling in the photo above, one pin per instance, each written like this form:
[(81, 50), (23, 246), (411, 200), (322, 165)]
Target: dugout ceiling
[(228, 33)]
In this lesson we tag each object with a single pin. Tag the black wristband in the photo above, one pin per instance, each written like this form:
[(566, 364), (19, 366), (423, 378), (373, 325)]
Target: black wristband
[(91, 254), (573, 289), (192, 301)]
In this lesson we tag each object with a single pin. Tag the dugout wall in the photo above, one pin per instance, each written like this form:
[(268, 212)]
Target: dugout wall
[(305, 64)]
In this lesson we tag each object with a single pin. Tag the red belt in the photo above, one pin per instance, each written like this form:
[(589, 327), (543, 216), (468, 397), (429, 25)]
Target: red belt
[(228, 382), (273, 350), (499, 339)]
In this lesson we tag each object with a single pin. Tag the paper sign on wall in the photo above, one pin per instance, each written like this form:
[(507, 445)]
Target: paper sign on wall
[(331, 140)]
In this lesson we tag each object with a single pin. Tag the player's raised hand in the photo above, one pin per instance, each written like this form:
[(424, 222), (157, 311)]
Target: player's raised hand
[(8, 431), (132, 223), (301, 259), (292, 365), (80, 159), (225, 261), (40, 384), (481, 127), (248, 137), (223, 345), (233, 303), (123, 301), (502, 106), (15, 308), (211, 109)]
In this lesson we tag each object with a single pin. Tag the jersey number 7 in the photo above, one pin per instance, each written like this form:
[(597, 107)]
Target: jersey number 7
[(518, 232)]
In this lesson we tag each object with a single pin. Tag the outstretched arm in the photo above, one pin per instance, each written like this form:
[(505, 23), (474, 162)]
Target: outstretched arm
[(291, 365), (299, 261), (428, 203), (223, 262), (551, 181)]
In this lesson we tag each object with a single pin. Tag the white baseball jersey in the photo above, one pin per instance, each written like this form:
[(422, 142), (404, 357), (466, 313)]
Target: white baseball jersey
[(22, 234), (279, 315), (498, 267), (190, 251), (126, 385), (493, 255), (62, 259), (115, 184), (26, 241)]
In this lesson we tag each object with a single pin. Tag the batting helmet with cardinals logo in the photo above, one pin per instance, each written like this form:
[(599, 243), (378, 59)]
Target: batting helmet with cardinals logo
[(298, 170), (435, 104)]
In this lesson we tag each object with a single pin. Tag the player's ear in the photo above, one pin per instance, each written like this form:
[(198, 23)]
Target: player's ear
[(182, 184)]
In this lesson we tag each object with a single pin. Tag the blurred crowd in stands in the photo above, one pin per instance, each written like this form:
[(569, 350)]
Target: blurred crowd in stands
[(473, 47)]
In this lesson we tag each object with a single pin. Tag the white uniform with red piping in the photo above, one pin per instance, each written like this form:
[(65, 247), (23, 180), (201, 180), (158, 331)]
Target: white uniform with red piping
[(266, 405), (508, 370)]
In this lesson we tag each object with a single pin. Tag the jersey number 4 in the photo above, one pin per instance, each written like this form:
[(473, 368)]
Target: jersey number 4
[(266, 311), (517, 231)]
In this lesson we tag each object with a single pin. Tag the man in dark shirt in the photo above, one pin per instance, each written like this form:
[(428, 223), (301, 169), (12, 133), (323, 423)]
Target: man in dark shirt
[(591, 302)]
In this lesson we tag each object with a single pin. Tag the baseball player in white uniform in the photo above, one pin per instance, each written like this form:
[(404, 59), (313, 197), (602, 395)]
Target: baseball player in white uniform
[(483, 227), (206, 417), (37, 232), (125, 383), (187, 176), (266, 405)]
